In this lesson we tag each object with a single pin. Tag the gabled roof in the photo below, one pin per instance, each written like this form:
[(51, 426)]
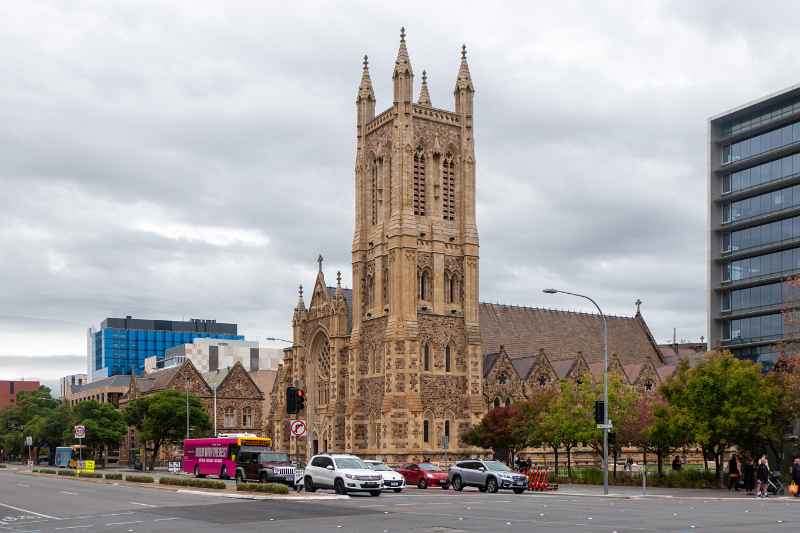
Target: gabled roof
[(524, 331), (348, 298)]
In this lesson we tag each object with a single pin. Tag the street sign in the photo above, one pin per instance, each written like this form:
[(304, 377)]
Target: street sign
[(28, 441), (298, 428), (174, 467), (80, 432), (86, 466)]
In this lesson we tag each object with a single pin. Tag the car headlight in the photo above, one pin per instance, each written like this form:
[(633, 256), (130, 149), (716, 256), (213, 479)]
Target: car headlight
[(350, 476)]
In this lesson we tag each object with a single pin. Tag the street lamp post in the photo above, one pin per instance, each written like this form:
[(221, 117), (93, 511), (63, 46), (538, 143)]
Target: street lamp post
[(605, 381), (187, 408), (215, 409)]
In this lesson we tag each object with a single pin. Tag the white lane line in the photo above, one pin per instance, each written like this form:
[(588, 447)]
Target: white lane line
[(165, 519), (23, 485), (68, 492), (74, 527), (20, 509), (124, 523), (143, 504)]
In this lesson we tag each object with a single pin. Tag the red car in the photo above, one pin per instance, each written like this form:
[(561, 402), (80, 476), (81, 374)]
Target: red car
[(424, 475)]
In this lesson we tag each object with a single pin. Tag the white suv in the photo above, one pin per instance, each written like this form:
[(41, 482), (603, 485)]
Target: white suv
[(391, 479), (342, 473)]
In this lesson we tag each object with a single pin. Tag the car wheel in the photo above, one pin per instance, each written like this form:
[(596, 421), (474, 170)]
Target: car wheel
[(422, 483), (223, 473), (374, 493), (519, 491), (458, 485), (491, 485), (445, 485), (398, 490), (482, 488), (309, 485), (263, 477)]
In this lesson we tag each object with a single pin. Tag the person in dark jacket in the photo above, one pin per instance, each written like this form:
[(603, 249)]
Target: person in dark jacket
[(796, 474), (762, 476), (676, 463), (749, 475), (734, 473)]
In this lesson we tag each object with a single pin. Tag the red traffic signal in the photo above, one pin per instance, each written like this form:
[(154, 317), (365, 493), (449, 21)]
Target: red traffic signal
[(300, 400)]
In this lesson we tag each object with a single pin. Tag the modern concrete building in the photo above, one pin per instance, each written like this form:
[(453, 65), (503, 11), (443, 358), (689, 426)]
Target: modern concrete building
[(69, 383), (208, 355), (120, 345), (105, 390), (754, 226)]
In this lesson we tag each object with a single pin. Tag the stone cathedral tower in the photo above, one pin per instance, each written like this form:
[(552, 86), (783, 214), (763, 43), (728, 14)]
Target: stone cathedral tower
[(415, 363)]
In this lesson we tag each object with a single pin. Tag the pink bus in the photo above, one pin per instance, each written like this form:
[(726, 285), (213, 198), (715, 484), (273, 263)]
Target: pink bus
[(217, 456)]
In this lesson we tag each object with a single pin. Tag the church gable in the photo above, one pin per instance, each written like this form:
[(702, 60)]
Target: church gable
[(648, 378), (185, 374), (320, 295), (503, 383), (541, 374), (238, 384), (580, 369)]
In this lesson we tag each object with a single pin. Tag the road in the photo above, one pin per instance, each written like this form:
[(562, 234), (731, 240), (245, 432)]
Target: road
[(31, 504)]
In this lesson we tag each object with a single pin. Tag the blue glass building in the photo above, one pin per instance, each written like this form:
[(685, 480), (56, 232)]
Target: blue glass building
[(121, 345)]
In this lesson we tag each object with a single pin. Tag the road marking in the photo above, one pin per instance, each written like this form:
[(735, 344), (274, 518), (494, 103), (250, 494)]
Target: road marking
[(68, 492), (164, 519), (28, 511), (23, 485), (143, 504), (74, 527), (124, 523)]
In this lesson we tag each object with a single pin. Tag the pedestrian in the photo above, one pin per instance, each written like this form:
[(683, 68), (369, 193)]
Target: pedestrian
[(749, 475), (734, 473), (628, 468), (762, 476), (520, 463), (796, 474), (676, 463)]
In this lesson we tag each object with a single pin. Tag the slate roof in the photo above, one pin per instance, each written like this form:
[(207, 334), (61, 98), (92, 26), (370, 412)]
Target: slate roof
[(122, 380), (157, 380), (524, 331)]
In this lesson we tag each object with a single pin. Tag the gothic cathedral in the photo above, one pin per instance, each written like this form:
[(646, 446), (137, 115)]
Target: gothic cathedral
[(394, 367)]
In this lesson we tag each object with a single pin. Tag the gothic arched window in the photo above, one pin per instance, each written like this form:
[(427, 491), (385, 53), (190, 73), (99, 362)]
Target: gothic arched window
[(508, 402), (425, 285), (496, 403), (447, 429), (447, 358), (322, 351), (447, 288), (426, 431), (385, 286), (419, 182), (426, 357), (502, 379), (454, 290), (374, 192), (370, 292), (448, 188)]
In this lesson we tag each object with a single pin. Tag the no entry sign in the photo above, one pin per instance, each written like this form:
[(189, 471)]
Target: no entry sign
[(298, 428)]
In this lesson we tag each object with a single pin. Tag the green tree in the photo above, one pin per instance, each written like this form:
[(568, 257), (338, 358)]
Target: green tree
[(723, 401), (105, 426), (566, 421), (32, 414), (48, 429), (496, 432), (668, 430), (160, 418)]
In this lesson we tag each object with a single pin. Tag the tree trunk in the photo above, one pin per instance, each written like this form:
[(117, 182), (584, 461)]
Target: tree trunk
[(614, 453), (705, 457), (555, 454), (156, 448), (660, 460), (105, 455), (569, 461)]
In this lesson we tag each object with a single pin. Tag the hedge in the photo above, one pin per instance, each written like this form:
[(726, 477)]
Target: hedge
[(684, 479), (70, 473), (113, 476), (2, 465), (95, 475), (139, 479), (191, 482), (45, 471), (273, 488)]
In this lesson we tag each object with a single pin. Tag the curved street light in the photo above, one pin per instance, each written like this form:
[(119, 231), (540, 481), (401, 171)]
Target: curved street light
[(605, 424)]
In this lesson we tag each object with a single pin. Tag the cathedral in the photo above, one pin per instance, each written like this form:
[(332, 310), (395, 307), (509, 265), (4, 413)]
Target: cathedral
[(402, 364)]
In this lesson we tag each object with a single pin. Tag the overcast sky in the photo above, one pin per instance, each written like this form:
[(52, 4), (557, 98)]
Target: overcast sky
[(191, 159)]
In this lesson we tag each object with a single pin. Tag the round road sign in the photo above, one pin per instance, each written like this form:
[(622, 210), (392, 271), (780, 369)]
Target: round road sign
[(298, 428)]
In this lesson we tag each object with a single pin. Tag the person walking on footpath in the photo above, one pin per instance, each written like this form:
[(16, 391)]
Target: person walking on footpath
[(734, 473), (749, 475), (676, 463), (762, 476), (796, 474)]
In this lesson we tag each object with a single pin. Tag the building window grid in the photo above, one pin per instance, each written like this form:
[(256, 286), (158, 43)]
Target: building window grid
[(762, 204), (758, 297), (748, 178), (778, 263), (753, 329), (763, 117), (771, 233), (759, 144)]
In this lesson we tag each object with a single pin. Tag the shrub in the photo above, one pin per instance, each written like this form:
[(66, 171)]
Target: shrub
[(45, 470), (69, 473), (135, 478), (191, 482), (95, 475), (113, 476), (273, 488)]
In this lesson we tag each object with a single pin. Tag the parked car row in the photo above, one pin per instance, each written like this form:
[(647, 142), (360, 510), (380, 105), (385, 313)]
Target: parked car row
[(346, 473)]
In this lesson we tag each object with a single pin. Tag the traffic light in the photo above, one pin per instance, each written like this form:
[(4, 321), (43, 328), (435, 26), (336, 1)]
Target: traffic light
[(300, 399), (291, 400), (599, 412), (612, 438)]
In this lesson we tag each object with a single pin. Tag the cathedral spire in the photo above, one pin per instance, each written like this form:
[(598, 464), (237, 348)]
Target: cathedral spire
[(365, 101), (424, 96), (300, 303), (403, 75), (464, 88)]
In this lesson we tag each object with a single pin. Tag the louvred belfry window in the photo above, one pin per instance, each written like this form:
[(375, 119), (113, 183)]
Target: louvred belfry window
[(374, 193), (448, 188), (419, 182)]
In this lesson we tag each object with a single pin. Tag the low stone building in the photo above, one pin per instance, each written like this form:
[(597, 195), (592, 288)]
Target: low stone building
[(106, 390)]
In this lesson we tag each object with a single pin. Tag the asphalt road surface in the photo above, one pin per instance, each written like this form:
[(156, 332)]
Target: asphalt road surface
[(31, 504)]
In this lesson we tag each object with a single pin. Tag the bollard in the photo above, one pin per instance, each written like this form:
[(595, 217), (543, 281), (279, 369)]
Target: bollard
[(644, 481)]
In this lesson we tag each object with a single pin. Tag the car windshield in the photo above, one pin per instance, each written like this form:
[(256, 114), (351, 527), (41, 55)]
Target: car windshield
[(350, 462), (380, 467), (273, 458), (429, 467), (496, 466)]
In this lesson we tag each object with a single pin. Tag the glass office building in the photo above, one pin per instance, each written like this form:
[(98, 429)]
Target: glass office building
[(754, 227), (120, 345)]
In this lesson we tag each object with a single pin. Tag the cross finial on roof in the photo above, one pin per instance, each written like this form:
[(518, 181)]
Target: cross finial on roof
[(366, 61), (300, 291), (320, 259), (339, 278), (638, 305), (702, 339), (464, 52), (402, 33)]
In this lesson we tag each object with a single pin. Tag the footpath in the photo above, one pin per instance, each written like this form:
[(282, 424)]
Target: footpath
[(628, 491)]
